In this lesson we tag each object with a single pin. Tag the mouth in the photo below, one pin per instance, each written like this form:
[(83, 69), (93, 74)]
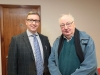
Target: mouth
[(33, 26), (66, 31)]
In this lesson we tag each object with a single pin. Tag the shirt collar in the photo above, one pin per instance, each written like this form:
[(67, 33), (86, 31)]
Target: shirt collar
[(68, 39), (31, 34)]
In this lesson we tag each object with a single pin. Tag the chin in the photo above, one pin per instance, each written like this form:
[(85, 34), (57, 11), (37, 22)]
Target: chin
[(67, 34), (33, 30)]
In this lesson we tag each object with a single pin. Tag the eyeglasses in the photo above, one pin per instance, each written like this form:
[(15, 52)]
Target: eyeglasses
[(31, 20), (68, 24)]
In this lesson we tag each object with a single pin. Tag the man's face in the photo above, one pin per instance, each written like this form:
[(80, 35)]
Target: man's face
[(32, 22), (67, 27)]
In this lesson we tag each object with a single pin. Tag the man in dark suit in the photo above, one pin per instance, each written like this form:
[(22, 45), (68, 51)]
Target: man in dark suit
[(22, 57)]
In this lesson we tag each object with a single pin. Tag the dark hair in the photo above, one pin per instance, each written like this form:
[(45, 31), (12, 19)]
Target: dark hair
[(33, 13)]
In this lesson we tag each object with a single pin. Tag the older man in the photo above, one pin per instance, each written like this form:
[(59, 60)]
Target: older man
[(73, 53)]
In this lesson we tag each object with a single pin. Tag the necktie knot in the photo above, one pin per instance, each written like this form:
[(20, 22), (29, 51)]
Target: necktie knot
[(34, 35)]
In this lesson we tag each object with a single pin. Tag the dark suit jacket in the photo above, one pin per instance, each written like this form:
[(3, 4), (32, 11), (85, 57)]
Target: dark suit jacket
[(21, 59)]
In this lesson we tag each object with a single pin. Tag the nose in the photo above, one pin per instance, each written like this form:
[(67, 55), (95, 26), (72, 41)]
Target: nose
[(33, 22), (66, 26)]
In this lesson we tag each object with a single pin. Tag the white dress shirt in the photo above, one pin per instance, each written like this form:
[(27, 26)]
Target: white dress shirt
[(30, 36)]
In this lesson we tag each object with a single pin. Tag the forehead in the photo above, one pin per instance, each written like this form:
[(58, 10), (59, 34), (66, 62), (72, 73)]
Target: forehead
[(33, 16), (66, 18)]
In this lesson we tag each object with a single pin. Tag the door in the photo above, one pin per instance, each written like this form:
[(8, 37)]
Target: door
[(12, 22)]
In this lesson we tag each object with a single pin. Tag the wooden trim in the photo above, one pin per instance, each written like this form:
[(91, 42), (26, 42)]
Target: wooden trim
[(0, 36), (20, 6), (2, 41)]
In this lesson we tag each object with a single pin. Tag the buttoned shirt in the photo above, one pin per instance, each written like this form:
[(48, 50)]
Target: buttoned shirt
[(30, 36)]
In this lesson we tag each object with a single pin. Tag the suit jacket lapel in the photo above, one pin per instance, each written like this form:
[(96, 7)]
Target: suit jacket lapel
[(43, 45), (26, 40)]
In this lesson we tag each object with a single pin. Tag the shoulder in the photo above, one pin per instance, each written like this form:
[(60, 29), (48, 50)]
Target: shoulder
[(57, 39), (42, 36), (85, 38), (20, 35), (84, 35), (56, 42)]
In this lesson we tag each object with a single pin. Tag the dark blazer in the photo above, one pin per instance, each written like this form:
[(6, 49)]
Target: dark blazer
[(20, 57)]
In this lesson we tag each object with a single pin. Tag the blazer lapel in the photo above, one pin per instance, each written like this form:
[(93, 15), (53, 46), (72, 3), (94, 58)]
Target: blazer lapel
[(44, 46), (26, 40)]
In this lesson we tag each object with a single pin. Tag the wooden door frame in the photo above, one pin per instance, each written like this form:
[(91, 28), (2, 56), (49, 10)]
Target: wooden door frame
[(1, 34), (3, 59)]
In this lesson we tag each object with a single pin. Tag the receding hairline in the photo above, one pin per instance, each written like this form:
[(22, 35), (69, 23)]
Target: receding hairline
[(66, 16)]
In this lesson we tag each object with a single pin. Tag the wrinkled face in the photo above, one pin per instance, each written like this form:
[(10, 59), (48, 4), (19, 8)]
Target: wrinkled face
[(32, 22), (67, 26)]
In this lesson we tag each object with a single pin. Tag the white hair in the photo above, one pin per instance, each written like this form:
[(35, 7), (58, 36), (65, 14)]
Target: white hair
[(69, 16)]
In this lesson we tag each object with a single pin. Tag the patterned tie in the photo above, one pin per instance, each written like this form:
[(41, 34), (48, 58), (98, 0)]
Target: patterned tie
[(38, 59)]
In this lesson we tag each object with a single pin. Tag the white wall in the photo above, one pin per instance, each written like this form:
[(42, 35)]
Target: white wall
[(85, 12)]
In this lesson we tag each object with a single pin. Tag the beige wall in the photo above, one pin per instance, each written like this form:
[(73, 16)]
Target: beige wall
[(85, 12)]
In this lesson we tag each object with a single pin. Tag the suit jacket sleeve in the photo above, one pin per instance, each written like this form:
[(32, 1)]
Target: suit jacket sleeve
[(12, 58)]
